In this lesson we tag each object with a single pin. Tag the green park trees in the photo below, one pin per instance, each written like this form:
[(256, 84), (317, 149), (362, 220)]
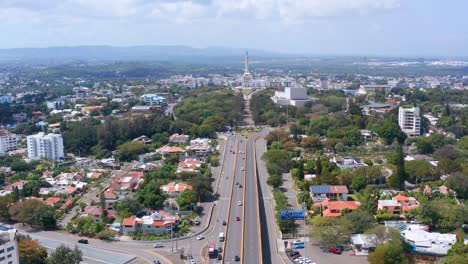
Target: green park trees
[(30, 251), (186, 199), (33, 212), (397, 180), (130, 150), (332, 230), (64, 254)]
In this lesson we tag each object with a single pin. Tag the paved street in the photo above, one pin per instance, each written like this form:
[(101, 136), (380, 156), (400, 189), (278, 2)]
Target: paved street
[(235, 179), (252, 241)]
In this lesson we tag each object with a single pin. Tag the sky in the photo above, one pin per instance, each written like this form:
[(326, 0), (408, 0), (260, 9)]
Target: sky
[(315, 27)]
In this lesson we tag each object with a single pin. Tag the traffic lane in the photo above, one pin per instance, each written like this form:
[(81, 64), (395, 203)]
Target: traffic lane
[(234, 234), (220, 210), (252, 236)]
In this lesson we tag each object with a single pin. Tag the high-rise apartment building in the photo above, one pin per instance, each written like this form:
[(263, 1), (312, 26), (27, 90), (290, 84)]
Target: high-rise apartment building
[(42, 146), (409, 120), (8, 247), (8, 141)]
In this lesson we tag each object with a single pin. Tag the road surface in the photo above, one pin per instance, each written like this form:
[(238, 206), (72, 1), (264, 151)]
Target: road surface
[(234, 230), (252, 252)]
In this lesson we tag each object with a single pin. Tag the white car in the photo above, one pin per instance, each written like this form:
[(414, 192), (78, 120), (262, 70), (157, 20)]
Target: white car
[(192, 261), (239, 203), (158, 245), (200, 237)]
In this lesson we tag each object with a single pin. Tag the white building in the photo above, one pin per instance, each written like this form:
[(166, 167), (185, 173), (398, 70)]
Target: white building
[(409, 121), (153, 99), (8, 141), (295, 96), (8, 247), (429, 243), (42, 146)]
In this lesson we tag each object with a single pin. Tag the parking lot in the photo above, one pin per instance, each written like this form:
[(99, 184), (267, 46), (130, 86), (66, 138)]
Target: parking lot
[(320, 255)]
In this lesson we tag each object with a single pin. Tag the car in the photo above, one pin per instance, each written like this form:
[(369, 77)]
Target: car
[(83, 241), (220, 249), (158, 245), (240, 185), (294, 253), (237, 183), (236, 258), (340, 247), (226, 177), (197, 222), (224, 223), (157, 262), (220, 257), (242, 169), (334, 250), (296, 256), (192, 261), (200, 237), (237, 218), (239, 203)]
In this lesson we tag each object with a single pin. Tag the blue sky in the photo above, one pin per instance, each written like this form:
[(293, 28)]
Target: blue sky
[(337, 27)]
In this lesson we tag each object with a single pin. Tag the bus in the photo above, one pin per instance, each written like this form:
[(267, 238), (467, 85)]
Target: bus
[(221, 237), (212, 252)]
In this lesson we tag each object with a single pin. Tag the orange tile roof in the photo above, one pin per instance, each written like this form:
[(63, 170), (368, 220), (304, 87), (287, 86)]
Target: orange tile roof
[(52, 200), (130, 221), (18, 184), (93, 210), (158, 223), (340, 205), (407, 208), (170, 149), (70, 189), (401, 197), (329, 213), (66, 204)]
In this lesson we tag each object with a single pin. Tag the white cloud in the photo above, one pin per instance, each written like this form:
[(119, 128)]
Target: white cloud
[(183, 11), (180, 11), (292, 10)]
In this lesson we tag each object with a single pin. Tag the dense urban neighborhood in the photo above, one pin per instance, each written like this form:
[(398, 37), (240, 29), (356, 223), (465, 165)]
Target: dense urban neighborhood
[(302, 168)]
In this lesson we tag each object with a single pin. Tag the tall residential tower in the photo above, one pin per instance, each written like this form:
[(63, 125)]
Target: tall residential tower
[(42, 146), (409, 121)]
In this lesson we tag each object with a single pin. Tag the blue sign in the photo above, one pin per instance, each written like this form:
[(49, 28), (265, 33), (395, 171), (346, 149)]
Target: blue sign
[(297, 246), (292, 215)]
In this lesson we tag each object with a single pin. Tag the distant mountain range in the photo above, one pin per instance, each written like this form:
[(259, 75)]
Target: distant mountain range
[(148, 53)]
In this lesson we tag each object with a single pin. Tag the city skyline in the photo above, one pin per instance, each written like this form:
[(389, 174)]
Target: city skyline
[(337, 27)]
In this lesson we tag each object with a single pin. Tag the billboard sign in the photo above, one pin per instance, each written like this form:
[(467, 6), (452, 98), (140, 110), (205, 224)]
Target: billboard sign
[(292, 215)]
